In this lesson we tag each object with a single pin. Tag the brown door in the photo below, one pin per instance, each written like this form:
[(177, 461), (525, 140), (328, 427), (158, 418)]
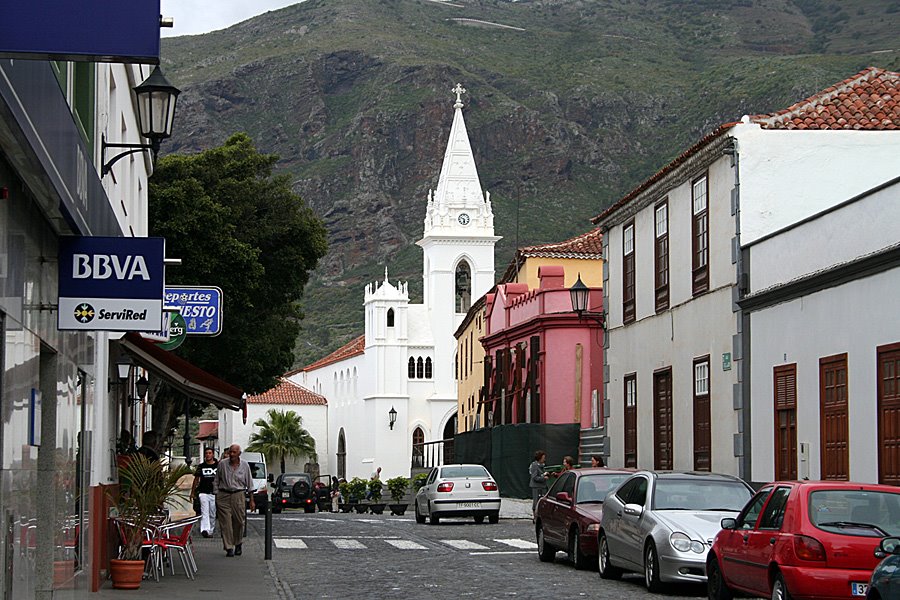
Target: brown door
[(889, 414), (835, 428), (662, 420), (702, 417), (786, 422), (631, 421)]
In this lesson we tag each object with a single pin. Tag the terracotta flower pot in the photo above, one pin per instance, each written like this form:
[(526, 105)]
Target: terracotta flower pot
[(126, 574)]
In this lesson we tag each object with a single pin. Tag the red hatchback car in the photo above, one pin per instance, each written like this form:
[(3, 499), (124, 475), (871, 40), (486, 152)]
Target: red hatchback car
[(567, 518), (803, 539)]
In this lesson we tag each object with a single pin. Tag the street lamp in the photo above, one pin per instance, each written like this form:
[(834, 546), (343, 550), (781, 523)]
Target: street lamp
[(142, 386), (123, 366), (579, 294), (393, 416), (156, 111)]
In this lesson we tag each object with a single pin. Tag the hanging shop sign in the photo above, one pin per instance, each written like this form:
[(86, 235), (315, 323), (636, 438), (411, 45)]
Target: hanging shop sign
[(201, 308), (111, 283)]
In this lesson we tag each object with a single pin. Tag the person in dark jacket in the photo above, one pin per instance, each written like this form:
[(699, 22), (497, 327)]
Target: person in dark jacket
[(537, 478)]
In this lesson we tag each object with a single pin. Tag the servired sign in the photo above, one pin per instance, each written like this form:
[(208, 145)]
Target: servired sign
[(111, 283)]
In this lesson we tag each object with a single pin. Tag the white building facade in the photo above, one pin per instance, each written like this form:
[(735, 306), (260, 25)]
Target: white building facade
[(680, 386), (405, 360)]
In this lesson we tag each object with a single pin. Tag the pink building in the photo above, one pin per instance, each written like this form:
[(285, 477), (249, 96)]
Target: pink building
[(543, 364)]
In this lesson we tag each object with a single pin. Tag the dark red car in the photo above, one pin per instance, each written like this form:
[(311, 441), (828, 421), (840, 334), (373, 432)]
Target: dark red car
[(567, 518), (803, 539)]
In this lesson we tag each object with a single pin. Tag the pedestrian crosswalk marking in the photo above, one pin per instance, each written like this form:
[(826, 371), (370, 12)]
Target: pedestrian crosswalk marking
[(293, 544), (517, 543), (348, 544), (406, 545), (464, 545)]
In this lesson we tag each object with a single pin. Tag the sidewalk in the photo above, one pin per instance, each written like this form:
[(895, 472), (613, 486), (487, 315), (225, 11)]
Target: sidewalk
[(515, 508)]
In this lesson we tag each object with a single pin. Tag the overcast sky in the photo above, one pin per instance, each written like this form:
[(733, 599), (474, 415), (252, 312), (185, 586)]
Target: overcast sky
[(202, 16)]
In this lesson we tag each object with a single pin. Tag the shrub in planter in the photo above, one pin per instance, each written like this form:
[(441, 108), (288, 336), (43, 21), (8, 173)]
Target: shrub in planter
[(375, 490), (419, 481), (397, 487), (356, 489)]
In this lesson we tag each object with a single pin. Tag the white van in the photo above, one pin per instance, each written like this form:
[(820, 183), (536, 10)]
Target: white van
[(257, 462)]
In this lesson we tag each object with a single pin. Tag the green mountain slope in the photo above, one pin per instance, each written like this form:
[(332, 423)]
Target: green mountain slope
[(570, 105)]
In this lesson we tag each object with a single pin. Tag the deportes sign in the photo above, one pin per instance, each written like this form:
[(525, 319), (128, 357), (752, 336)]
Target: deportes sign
[(201, 308), (111, 283)]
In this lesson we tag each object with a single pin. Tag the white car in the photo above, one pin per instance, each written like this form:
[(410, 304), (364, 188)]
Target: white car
[(458, 491)]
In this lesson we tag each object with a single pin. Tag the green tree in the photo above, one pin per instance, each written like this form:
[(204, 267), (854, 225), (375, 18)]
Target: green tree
[(282, 436), (236, 225)]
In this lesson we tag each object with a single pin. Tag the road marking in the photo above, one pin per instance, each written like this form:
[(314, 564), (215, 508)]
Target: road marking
[(350, 537), (464, 545), (517, 543), (348, 544), (290, 543), (406, 545), (367, 520), (502, 552)]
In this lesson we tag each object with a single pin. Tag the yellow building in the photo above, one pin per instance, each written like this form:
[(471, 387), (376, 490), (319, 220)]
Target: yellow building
[(580, 255)]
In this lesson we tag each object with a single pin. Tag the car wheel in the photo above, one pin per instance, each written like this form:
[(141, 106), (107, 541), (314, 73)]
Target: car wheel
[(576, 556), (716, 587), (651, 569), (494, 518), (607, 570), (779, 589), (434, 519), (546, 552), (479, 519), (420, 518)]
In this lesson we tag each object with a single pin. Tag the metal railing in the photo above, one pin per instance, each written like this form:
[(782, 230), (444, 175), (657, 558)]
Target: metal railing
[(432, 454)]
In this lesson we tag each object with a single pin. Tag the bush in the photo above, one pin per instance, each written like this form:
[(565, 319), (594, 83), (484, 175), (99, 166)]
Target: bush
[(397, 487), (356, 488), (375, 490), (419, 480)]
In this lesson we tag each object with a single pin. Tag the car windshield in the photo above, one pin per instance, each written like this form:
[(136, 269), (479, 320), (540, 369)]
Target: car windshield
[(699, 494), (593, 488), (466, 471), (856, 512), (257, 470), (291, 479)]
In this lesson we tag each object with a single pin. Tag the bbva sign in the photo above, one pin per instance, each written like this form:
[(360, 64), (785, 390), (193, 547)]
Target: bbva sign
[(111, 283)]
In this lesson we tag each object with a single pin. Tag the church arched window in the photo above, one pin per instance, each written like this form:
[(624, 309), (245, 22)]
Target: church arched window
[(418, 448), (390, 317), (428, 368), (420, 368), (412, 368), (463, 287)]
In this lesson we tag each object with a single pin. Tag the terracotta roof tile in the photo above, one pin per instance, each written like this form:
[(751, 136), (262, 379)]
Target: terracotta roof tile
[(208, 429), (586, 245), (288, 392), (351, 348), (870, 100)]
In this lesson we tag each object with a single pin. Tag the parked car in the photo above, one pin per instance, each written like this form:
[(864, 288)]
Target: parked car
[(293, 490), (885, 581), (568, 516), (458, 491), (260, 475), (662, 524), (804, 539)]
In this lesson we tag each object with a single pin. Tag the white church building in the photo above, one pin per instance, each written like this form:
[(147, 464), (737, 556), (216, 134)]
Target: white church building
[(395, 386)]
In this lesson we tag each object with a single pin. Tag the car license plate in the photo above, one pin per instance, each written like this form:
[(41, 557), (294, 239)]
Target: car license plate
[(469, 504), (858, 589)]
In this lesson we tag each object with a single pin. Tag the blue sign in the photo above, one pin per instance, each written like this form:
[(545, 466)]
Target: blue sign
[(201, 308), (87, 30), (111, 283)]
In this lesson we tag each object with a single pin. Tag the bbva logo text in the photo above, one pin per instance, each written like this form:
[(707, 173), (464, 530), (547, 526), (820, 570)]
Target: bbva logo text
[(104, 266)]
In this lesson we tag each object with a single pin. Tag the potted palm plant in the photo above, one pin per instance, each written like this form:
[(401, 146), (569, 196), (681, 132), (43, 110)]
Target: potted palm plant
[(397, 487), (145, 488), (377, 507), (357, 488)]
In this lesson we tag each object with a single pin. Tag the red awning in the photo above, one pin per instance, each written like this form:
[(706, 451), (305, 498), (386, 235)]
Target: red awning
[(185, 377)]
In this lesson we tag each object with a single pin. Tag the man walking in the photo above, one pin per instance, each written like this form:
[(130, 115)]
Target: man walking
[(233, 480), (537, 479), (204, 489)]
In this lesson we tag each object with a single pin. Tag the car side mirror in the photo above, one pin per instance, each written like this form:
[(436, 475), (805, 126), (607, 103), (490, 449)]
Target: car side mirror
[(564, 497), (271, 478), (635, 510), (729, 523), (888, 545)]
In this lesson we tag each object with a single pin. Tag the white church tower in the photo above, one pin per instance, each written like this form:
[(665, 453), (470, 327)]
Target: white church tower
[(458, 244)]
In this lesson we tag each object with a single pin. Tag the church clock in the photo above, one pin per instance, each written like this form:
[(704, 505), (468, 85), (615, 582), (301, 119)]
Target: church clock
[(463, 219)]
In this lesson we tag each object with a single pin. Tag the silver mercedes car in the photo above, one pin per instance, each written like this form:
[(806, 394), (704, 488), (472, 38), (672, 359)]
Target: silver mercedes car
[(458, 491), (663, 523)]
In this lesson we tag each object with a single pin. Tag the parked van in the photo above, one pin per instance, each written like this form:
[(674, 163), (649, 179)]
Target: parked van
[(257, 462)]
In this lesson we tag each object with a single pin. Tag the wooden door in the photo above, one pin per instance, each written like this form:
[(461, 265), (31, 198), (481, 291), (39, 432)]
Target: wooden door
[(702, 416), (835, 431), (889, 414), (662, 420), (786, 422), (631, 421)]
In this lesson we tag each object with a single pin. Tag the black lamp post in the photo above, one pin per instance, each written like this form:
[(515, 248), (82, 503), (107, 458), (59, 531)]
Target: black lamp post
[(156, 112), (393, 416), (579, 294), (142, 385)]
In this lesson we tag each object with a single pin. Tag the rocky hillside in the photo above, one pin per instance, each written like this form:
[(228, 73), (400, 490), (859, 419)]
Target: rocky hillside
[(570, 104)]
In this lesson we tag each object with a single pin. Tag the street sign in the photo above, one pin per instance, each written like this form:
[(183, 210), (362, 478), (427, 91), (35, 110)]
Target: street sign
[(111, 283), (177, 332), (201, 308)]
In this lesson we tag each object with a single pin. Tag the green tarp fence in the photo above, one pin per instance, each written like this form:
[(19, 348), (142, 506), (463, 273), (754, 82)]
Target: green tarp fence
[(507, 451)]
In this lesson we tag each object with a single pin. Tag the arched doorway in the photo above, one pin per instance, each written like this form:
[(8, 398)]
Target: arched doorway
[(449, 433), (341, 455)]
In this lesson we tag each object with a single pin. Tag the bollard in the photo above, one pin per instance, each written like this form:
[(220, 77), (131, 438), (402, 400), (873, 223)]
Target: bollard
[(269, 528)]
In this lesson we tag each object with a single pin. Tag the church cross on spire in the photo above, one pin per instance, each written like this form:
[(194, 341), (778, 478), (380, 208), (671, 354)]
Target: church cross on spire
[(459, 90)]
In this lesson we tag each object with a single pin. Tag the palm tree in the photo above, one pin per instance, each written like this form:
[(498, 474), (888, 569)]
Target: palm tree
[(281, 436)]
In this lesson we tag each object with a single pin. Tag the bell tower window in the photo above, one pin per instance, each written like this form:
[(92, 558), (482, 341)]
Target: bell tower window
[(463, 287), (390, 317)]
